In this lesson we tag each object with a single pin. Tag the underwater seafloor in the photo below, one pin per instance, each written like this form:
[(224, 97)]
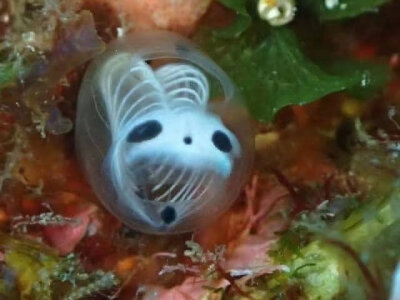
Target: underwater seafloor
[(320, 215)]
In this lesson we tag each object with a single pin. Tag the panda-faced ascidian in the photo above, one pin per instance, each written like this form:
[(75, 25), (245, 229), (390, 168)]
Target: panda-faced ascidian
[(161, 134)]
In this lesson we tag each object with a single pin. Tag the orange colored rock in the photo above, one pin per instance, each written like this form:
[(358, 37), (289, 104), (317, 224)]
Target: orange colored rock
[(176, 15), (125, 266)]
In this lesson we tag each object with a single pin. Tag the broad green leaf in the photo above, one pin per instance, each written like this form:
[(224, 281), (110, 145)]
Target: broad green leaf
[(371, 75), (242, 21), (274, 72), (339, 9)]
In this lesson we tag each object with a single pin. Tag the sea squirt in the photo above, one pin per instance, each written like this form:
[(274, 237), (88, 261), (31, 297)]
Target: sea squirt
[(161, 134)]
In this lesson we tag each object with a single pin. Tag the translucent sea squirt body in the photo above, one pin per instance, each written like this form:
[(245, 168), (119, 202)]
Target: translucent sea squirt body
[(161, 134)]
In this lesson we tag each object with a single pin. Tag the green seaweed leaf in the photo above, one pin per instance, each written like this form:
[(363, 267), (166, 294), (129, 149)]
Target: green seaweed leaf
[(339, 9), (372, 76), (274, 72), (242, 21)]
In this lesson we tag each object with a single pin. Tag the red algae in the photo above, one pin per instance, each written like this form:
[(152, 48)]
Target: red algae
[(64, 238)]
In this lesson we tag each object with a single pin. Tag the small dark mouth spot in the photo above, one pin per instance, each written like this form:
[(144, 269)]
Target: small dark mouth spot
[(168, 215), (187, 140)]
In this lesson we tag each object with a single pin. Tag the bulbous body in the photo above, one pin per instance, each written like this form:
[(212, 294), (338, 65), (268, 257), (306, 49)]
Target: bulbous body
[(161, 135)]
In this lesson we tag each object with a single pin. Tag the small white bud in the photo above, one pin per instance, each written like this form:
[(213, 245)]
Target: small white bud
[(277, 12)]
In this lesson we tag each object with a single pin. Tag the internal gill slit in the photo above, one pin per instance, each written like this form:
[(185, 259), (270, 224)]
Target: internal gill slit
[(126, 97), (187, 92), (183, 189), (172, 187), (143, 69), (116, 166), (195, 184), (142, 98), (187, 81), (127, 117), (119, 85), (189, 186), (159, 169), (141, 65), (195, 190), (200, 185), (188, 77), (171, 71), (164, 180), (110, 106), (178, 80), (207, 187), (145, 109), (183, 100), (182, 107), (194, 200), (96, 107), (183, 70)]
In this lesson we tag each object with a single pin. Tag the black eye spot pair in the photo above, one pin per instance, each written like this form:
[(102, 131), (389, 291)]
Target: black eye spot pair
[(150, 129)]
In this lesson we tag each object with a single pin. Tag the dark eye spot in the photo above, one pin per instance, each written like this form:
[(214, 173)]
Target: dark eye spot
[(168, 214), (145, 131), (221, 141)]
